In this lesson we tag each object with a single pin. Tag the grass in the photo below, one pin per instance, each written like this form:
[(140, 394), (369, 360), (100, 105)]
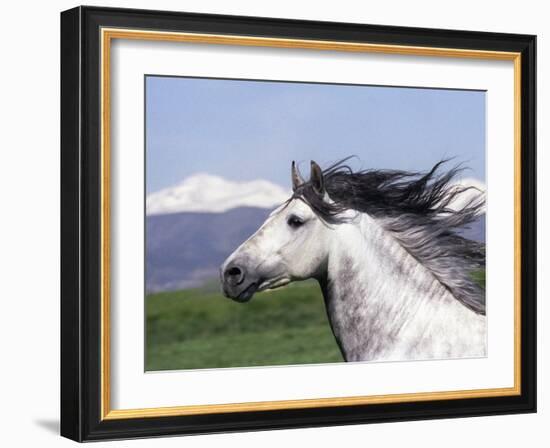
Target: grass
[(479, 277), (199, 328)]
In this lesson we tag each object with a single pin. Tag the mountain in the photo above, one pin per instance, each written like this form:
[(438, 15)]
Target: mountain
[(475, 231), (185, 249), (208, 193), (192, 227), (474, 188)]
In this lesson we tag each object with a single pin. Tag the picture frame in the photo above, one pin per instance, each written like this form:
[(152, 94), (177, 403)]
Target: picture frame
[(86, 209)]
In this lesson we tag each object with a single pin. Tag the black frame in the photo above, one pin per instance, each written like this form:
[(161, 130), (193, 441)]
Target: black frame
[(80, 223)]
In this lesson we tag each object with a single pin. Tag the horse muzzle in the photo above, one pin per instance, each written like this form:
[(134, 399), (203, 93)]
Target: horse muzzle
[(237, 284)]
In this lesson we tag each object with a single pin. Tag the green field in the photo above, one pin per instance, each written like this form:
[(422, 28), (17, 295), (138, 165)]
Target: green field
[(199, 328), (479, 277)]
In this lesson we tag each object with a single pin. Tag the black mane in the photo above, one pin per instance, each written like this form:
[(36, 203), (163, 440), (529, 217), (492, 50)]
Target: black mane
[(414, 208)]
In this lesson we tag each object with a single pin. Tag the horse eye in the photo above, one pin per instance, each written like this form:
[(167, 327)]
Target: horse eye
[(294, 221)]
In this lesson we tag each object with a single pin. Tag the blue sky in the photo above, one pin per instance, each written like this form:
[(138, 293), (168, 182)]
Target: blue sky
[(245, 130)]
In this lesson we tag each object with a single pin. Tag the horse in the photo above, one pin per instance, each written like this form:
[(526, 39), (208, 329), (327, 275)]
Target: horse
[(385, 246)]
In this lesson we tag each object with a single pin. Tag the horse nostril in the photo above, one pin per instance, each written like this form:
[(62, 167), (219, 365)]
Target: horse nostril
[(234, 271), (234, 275)]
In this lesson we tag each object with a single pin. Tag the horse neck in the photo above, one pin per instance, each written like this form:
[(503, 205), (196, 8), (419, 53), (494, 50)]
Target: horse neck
[(383, 304)]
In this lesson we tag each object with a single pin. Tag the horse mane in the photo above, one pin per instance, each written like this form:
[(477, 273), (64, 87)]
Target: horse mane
[(415, 208)]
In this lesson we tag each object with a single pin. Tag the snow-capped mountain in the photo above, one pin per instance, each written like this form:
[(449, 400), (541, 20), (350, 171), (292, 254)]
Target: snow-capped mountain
[(192, 227), (208, 193), (476, 190)]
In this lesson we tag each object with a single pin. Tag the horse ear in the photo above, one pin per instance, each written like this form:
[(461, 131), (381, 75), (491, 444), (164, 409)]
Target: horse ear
[(316, 179), (296, 177)]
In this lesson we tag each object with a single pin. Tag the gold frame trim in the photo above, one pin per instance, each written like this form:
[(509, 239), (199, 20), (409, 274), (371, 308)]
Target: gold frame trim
[(107, 35)]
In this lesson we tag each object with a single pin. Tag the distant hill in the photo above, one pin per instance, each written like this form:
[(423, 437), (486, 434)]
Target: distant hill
[(193, 226), (476, 231), (186, 249)]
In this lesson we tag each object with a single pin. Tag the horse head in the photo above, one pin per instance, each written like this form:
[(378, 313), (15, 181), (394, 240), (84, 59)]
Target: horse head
[(292, 244)]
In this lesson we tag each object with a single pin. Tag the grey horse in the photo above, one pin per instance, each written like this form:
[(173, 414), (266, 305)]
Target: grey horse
[(396, 276)]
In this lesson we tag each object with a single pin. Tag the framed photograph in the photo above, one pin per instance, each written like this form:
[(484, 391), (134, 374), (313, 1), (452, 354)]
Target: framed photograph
[(272, 223)]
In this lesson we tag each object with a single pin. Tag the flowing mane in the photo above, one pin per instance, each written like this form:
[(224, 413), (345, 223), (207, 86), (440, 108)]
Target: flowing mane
[(416, 209)]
